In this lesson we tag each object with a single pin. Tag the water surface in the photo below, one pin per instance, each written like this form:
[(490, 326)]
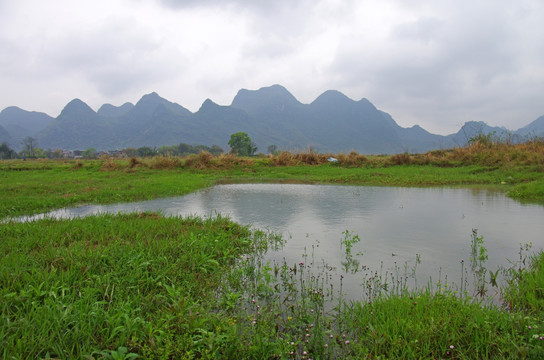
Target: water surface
[(393, 224)]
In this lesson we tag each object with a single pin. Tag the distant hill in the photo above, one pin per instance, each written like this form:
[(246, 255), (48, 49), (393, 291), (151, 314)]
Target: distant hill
[(110, 111), (5, 137), (20, 123), (270, 115), (473, 128), (77, 127), (534, 129)]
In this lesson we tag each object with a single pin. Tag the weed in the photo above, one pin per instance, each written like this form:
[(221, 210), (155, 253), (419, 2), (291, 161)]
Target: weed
[(352, 159), (284, 158), (526, 283), (134, 162), (204, 160), (149, 286), (401, 159), (349, 240), (350, 263), (110, 164), (478, 257), (120, 354), (165, 162)]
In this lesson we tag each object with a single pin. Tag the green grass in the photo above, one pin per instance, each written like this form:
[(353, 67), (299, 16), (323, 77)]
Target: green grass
[(149, 286), (426, 325), (34, 189), (30, 187), (526, 286), (70, 289)]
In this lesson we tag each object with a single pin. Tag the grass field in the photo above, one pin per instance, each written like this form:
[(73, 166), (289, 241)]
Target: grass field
[(148, 286), (35, 186)]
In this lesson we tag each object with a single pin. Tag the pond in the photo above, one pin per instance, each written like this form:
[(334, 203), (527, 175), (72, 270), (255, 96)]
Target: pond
[(390, 231)]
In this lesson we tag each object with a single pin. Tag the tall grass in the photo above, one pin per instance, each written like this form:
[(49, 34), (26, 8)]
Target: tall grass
[(293, 311), (526, 286), (479, 152)]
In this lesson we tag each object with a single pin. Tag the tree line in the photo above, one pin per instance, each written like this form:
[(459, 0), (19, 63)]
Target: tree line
[(240, 144)]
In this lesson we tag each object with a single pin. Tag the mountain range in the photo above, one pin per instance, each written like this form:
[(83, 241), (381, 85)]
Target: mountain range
[(270, 116)]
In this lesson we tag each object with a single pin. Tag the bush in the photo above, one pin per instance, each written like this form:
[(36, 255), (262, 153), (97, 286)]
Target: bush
[(352, 159), (285, 158), (401, 159), (165, 162)]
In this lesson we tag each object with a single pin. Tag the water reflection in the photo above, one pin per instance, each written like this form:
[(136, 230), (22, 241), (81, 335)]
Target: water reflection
[(394, 224)]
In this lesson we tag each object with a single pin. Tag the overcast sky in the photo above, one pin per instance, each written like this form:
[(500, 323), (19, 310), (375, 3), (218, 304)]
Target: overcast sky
[(435, 63)]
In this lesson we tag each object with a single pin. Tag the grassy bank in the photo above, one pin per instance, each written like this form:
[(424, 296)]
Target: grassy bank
[(34, 186)]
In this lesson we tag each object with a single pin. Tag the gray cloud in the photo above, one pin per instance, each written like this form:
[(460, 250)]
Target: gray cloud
[(115, 57), (436, 64), (423, 29), (263, 6), (457, 63)]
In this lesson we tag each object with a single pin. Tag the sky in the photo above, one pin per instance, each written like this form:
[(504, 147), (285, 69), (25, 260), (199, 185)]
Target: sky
[(433, 63)]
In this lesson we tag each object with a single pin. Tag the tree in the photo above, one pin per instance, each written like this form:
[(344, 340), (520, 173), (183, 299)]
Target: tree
[(145, 151), (89, 153), (184, 148), (167, 150), (130, 152), (55, 154), (216, 150), (40, 153), (6, 152), (272, 149), (241, 144), (29, 146)]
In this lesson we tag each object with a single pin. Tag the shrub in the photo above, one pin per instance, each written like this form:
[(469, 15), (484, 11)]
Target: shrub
[(135, 162), (285, 158), (110, 165), (401, 159), (228, 161), (352, 159), (165, 162), (204, 160)]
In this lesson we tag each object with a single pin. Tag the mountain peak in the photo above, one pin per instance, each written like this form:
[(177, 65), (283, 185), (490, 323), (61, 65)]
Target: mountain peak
[(331, 97), (474, 123), (77, 107), (109, 110), (536, 128), (11, 111), (367, 103), (275, 96), (208, 105), (151, 98), (149, 103), (209, 102)]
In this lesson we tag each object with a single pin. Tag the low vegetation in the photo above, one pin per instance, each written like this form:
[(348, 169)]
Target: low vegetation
[(149, 286), (35, 186), (93, 286)]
